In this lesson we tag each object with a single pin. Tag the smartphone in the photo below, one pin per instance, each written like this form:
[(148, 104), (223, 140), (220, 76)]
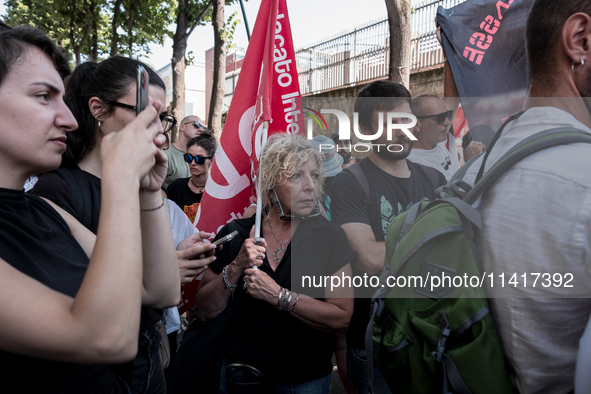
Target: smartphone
[(143, 83), (225, 239)]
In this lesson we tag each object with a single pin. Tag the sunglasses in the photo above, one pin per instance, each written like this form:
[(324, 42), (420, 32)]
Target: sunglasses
[(440, 118), (168, 121), (198, 159), (196, 124)]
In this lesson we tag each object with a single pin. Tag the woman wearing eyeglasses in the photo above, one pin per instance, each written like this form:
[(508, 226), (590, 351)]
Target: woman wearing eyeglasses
[(190, 127), (187, 192), (102, 97)]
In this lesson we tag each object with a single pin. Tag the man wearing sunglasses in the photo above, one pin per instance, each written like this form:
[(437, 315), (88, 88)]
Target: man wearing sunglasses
[(191, 126), (432, 129)]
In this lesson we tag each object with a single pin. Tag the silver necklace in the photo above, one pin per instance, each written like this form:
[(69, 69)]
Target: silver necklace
[(282, 248)]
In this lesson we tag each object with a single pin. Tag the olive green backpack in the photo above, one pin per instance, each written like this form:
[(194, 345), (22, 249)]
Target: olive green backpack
[(443, 339)]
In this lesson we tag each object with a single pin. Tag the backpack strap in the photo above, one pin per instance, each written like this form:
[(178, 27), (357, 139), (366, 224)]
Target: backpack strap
[(539, 141), (494, 141), (377, 309), (452, 375), (358, 173), (432, 174), (456, 186), (80, 193)]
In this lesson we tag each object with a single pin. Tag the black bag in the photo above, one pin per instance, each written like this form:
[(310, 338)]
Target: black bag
[(197, 364)]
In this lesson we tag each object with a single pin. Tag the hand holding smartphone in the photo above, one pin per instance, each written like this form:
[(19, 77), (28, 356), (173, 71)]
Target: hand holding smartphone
[(142, 95)]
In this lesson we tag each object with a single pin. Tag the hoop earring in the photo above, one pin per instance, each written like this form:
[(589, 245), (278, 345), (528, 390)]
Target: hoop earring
[(580, 67)]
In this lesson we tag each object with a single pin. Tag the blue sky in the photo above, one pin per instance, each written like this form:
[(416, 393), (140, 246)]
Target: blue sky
[(311, 21)]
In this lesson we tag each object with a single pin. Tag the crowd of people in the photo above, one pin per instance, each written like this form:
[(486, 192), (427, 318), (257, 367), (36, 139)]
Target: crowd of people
[(99, 249)]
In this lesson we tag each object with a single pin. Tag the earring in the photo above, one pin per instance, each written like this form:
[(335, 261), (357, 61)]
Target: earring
[(580, 67)]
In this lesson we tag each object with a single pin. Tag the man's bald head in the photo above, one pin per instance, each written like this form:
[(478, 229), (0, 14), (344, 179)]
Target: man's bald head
[(421, 105), (191, 127), (433, 120)]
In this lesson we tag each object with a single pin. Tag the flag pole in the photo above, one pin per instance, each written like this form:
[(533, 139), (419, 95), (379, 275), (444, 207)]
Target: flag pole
[(257, 224)]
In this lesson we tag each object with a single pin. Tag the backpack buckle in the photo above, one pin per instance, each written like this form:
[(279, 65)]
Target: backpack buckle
[(443, 337)]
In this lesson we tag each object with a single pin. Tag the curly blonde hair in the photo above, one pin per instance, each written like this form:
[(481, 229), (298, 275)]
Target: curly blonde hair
[(282, 156)]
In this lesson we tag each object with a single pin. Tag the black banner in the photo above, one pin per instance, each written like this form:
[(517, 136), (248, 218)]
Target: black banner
[(484, 41)]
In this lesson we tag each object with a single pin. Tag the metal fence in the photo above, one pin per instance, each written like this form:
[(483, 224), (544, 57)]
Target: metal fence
[(363, 53)]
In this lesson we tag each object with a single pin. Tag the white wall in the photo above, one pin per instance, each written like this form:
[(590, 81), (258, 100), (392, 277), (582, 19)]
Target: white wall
[(194, 88)]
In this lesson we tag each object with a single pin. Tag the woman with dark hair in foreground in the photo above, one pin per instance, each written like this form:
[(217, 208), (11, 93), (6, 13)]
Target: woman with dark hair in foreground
[(56, 304)]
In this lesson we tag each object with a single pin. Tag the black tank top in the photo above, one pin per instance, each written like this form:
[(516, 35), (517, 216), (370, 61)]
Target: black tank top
[(35, 240)]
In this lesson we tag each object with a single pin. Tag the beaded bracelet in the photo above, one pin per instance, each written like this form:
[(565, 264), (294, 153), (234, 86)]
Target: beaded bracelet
[(227, 284), (291, 307), (153, 209)]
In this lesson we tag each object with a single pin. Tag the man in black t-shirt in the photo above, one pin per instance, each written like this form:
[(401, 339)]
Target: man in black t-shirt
[(395, 185)]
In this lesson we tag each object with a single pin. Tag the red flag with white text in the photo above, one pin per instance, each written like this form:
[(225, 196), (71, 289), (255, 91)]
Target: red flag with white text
[(267, 91)]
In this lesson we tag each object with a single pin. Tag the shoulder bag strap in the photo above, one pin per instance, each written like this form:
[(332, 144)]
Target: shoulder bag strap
[(432, 174), (358, 173)]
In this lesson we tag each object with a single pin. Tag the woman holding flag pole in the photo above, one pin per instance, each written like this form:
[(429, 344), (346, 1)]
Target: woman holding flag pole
[(289, 337)]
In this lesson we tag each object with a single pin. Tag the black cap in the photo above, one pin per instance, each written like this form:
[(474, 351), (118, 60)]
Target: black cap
[(482, 133)]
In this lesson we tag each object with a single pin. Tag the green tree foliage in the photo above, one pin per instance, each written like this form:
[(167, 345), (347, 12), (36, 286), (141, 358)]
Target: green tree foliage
[(229, 29), (95, 29), (190, 14), (142, 23)]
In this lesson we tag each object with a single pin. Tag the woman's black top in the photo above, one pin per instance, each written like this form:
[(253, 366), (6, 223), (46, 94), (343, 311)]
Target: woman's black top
[(180, 192), (53, 187), (35, 240)]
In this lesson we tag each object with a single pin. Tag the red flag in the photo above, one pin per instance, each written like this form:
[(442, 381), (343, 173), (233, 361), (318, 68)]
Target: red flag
[(267, 90)]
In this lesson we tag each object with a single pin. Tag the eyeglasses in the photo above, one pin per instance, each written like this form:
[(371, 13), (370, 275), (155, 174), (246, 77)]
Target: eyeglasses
[(198, 159), (168, 121), (440, 118), (167, 143), (196, 124)]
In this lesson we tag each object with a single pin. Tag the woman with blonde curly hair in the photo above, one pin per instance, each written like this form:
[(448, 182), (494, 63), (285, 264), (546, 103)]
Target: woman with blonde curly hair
[(287, 336)]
